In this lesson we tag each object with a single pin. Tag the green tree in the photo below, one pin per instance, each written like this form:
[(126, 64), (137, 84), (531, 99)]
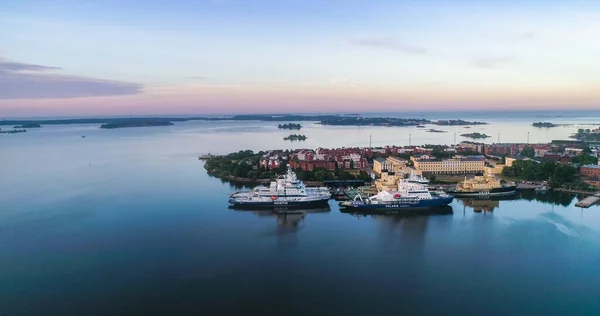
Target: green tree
[(528, 151)]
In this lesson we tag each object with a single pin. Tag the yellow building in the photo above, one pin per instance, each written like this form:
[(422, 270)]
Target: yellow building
[(388, 181), (467, 165), (380, 165), (495, 169), (397, 164)]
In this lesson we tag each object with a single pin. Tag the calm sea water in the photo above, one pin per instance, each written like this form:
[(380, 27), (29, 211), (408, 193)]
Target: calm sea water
[(126, 222)]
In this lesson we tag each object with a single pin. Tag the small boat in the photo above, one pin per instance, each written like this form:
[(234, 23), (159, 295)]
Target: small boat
[(542, 189)]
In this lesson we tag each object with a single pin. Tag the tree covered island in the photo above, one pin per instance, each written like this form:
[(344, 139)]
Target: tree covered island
[(29, 125), (295, 137), (136, 123), (14, 131), (544, 124), (475, 135), (289, 126)]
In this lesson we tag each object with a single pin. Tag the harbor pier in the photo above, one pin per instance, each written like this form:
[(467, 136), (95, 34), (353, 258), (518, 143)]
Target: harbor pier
[(589, 201)]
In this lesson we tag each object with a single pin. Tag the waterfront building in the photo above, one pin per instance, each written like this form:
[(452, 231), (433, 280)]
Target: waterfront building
[(397, 164), (381, 165), (468, 165), (494, 169), (592, 171), (473, 146), (270, 160), (388, 181)]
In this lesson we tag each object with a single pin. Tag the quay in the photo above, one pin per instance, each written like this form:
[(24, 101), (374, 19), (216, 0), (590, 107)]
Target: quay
[(589, 201), (206, 157)]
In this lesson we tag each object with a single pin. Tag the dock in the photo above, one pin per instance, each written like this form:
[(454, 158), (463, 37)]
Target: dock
[(589, 201), (205, 157)]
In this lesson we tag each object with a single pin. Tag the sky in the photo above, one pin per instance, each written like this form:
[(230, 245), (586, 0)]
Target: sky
[(136, 57)]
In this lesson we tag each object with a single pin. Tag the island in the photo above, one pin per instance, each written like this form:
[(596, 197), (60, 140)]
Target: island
[(289, 126), (295, 137), (136, 123), (250, 167), (433, 130), (336, 120), (14, 131), (30, 125), (543, 124), (475, 135)]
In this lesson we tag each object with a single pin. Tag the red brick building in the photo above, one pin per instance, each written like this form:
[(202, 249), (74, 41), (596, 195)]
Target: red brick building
[(592, 171), (312, 165)]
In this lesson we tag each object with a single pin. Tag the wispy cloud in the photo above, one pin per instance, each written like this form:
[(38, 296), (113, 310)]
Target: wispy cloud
[(388, 43), (11, 66), (30, 81), (492, 62)]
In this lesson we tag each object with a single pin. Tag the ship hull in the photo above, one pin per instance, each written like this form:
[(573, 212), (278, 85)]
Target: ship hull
[(278, 204), (507, 190), (400, 204)]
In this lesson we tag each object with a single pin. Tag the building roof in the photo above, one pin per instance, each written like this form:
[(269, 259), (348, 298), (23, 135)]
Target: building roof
[(379, 159), (591, 166)]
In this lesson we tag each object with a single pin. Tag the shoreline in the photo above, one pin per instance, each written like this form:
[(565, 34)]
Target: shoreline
[(257, 181)]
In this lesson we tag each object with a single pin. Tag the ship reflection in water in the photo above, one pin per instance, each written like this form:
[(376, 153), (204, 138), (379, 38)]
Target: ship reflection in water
[(484, 204), (289, 220), (399, 212)]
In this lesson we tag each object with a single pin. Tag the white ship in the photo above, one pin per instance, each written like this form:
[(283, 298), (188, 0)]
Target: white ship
[(410, 195), (414, 178), (287, 191)]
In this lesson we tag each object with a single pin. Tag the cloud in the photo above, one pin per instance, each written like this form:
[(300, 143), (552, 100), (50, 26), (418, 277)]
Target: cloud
[(388, 43), (11, 66), (492, 62), (30, 81)]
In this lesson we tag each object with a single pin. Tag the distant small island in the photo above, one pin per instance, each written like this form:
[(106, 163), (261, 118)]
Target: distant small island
[(136, 123), (14, 131), (295, 137), (433, 130), (29, 125), (475, 135), (544, 124), (289, 126)]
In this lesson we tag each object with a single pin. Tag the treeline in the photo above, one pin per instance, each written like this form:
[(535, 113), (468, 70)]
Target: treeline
[(544, 124), (289, 126), (586, 135), (555, 174)]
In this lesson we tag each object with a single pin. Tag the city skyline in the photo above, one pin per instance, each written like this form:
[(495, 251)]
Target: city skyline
[(232, 56)]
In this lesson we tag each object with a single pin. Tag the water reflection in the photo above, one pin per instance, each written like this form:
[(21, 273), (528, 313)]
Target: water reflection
[(289, 220), (554, 198), (484, 204), (398, 213)]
